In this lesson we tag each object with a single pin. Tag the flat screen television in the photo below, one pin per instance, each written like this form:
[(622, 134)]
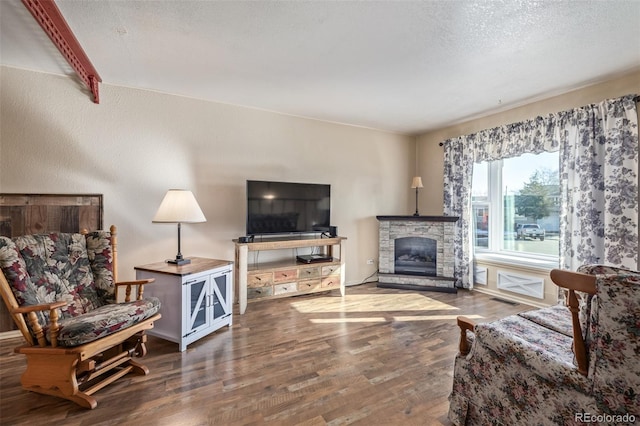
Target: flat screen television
[(287, 207)]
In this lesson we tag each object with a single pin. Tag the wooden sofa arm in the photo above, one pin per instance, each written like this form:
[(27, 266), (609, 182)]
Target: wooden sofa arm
[(128, 284), (465, 324), (54, 328)]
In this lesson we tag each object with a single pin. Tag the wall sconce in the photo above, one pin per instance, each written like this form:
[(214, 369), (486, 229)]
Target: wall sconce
[(179, 206), (417, 183)]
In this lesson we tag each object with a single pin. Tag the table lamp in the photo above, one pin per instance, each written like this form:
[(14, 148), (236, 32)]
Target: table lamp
[(179, 206), (416, 183)]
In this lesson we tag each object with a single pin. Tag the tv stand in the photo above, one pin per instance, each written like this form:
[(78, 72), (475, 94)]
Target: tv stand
[(288, 277)]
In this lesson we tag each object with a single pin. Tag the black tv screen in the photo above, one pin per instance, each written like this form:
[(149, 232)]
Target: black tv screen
[(286, 207)]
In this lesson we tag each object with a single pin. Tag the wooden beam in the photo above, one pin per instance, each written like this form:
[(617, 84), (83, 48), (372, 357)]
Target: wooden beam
[(53, 23)]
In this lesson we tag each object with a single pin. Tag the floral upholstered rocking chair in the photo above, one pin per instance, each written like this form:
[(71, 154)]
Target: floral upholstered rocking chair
[(561, 365), (61, 291)]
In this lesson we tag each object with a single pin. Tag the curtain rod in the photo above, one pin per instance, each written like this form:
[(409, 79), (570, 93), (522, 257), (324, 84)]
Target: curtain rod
[(636, 100)]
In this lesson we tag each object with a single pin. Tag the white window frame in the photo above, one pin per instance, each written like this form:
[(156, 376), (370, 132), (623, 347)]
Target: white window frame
[(495, 252)]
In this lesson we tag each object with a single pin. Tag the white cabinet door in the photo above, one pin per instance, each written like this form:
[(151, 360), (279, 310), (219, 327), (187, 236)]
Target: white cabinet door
[(196, 309), (221, 297)]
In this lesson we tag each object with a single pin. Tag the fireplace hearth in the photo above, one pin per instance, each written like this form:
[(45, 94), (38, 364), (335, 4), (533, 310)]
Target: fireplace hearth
[(416, 253)]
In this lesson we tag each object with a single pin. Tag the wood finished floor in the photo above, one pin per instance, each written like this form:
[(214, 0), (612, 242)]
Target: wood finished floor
[(378, 356)]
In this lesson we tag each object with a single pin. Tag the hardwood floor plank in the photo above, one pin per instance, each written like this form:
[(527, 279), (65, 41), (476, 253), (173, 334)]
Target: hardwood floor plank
[(376, 356)]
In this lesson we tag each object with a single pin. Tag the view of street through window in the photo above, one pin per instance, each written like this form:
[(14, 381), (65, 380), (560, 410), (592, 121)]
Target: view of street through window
[(525, 192)]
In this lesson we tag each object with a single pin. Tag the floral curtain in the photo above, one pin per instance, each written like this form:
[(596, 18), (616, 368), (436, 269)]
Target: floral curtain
[(598, 147), (599, 186), (458, 174)]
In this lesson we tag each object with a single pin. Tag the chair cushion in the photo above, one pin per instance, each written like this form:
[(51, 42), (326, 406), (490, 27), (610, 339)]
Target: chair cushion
[(72, 268), (588, 302), (556, 318), (547, 353), (614, 365), (105, 320), (101, 260), (15, 270), (59, 269), (608, 279)]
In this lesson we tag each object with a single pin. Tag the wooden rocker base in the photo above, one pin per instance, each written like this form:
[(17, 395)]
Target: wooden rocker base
[(63, 383), (77, 373)]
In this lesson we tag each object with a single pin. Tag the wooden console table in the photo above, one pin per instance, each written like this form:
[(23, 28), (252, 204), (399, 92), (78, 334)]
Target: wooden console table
[(288, 277)]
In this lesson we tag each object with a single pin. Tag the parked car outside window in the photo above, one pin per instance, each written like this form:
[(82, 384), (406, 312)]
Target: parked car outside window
[(529, 230)]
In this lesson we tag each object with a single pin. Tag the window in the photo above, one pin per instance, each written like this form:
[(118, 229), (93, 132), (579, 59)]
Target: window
[(516, 207)]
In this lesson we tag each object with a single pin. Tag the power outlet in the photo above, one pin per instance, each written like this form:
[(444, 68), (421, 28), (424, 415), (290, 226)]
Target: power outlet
[(370, 261)]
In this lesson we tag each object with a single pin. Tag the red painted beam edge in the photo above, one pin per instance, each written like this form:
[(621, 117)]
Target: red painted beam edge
[(53, 23)]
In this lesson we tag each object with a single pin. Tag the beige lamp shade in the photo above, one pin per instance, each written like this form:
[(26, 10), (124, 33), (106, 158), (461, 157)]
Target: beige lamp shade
[(179, 206), (417, 182)]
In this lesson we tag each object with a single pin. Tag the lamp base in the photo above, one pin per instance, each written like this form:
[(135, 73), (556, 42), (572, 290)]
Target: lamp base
[(179, 262)]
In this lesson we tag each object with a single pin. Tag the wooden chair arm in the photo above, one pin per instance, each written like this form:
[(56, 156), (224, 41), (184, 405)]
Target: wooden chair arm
[(54, 328), (136, 282), (465, 324), (38, 308), (128, 284), (576, 281)]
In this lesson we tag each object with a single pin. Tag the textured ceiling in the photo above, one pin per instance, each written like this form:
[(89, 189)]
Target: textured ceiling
[(401, 66)]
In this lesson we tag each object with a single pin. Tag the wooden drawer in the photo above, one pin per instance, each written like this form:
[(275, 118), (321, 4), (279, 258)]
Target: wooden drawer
[(311, 272), (330, 270), (332, 281), (259, 280), (285, 288), (285, 276), (309, 285), (257, 292)]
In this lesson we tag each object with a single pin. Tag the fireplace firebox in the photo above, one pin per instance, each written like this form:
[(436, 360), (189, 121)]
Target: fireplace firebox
[(415, 256)]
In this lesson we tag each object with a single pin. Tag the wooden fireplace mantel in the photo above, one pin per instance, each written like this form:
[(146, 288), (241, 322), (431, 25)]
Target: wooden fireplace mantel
[(420, 218)]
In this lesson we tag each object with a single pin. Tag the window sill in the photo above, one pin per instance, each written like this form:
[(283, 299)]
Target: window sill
[(523, 262)]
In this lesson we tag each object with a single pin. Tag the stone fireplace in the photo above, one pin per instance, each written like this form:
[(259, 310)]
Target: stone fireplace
[(416, 252)]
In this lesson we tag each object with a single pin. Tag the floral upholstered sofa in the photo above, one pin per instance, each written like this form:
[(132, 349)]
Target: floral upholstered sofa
[(524, 370)]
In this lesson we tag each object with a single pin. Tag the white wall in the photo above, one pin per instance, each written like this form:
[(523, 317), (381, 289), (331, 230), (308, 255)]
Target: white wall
[(136, 144)]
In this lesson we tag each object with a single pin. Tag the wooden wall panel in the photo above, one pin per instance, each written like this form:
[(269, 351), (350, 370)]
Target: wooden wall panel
[(23, 214)]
